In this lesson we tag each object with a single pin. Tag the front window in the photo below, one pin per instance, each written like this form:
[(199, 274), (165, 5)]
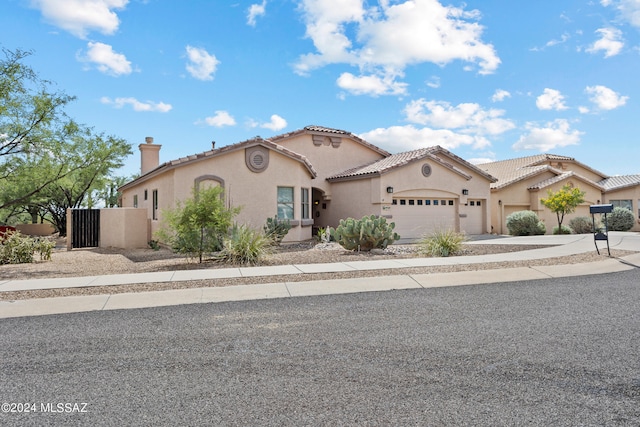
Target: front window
[(285, 202), (135, 200), (304, 200), (627, 204)]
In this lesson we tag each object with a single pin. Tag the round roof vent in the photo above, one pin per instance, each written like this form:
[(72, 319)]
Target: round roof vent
[(426, 169), (257, 159)]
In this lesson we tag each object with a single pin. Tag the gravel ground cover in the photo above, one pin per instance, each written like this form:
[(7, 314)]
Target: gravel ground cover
[(92, 262)]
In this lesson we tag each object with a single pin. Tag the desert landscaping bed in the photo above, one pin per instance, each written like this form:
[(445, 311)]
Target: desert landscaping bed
[(92, 262)]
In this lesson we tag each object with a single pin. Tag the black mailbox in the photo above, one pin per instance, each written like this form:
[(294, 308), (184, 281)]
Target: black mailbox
[(597, 234), (601, 209)]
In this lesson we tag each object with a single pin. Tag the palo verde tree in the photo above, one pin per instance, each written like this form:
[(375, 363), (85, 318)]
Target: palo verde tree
[(563, 202), (199, 224)]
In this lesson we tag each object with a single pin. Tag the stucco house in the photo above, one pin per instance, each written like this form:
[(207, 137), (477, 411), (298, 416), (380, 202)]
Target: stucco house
[(316, 176), (524, 181)]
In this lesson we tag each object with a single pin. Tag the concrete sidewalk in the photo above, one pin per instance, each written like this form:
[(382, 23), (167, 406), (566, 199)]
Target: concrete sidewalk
[(566, 245)]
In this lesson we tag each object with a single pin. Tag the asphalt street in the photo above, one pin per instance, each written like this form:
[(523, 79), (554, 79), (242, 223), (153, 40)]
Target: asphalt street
[(539, 353)]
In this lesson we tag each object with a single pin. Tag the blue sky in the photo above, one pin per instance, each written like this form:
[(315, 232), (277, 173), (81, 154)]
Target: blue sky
[(486, 79)]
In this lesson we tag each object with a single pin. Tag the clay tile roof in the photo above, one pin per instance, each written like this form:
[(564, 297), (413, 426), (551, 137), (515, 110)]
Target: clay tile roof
[(384, 165), (219, 151), (435, 153), (618, 182), (548, 182), (330, 131), (514, 170)]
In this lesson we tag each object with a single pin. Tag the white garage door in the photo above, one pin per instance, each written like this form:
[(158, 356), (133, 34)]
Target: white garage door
[(416, 217), (472, 217)]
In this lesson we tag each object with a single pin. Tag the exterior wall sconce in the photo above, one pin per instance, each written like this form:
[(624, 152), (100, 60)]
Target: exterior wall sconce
[(316, 202), (465, 192), (389, 189), (500, 202)]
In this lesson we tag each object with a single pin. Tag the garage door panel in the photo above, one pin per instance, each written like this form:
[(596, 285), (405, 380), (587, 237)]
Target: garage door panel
[(416, 220)]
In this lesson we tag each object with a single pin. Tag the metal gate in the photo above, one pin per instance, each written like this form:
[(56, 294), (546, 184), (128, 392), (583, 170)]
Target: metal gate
[(85, 228)]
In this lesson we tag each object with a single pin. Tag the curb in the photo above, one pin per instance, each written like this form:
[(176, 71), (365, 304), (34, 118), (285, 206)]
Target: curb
[(76, 304)]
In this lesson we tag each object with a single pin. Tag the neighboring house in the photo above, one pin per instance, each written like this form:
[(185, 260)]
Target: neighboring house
[(316, 176), (523, 182)]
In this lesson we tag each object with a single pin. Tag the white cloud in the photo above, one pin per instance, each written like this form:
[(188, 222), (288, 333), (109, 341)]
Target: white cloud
[(610, 42), (81, 16), (434, 82), (371, 85), (553, 135), (409, 137), (605, 98), (563, 39), (500, 95), (629, 9), (106, 60), (220, 119), (277, 123), (467, 118), (385, 40), (160, 107), (254, 11), (202, 65), (551, 99)]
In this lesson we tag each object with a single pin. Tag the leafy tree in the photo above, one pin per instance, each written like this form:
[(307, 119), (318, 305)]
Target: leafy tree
[(28, 110), (48, 162), (31, 121), (563, 201), (89, 159), (199, 224)]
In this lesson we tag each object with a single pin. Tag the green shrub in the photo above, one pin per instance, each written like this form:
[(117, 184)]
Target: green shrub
[(245, 246), (277, 228), (364, 234), (525, 223), (198, 225), (442, 243), (17, 248), (620, 219), (582, 225), (563, 230)]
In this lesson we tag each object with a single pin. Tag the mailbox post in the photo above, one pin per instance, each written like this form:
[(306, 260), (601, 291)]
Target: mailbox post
[(598, 234)]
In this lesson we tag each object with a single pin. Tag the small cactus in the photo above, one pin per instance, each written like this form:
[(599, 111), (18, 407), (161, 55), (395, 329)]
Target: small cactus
[(364, 234)]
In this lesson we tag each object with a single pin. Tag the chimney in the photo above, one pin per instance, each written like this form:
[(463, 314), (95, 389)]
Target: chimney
[(149, 155)]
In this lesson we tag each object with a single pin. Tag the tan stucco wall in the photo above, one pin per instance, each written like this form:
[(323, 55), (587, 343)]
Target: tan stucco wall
[(517, 197), (329, 160), (255, 193), (357, 198), (36, 229), (124, 228)]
